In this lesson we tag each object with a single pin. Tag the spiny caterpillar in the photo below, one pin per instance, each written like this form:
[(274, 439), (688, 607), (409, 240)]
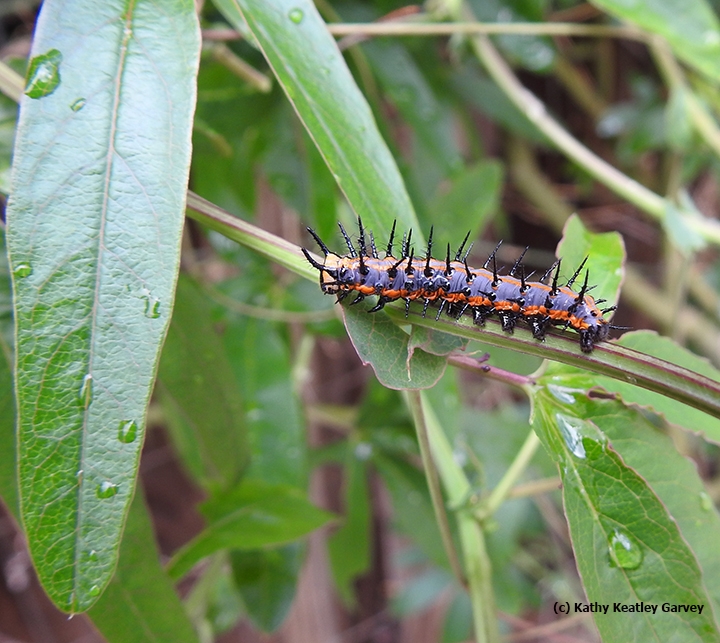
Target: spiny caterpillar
[(459, 288)]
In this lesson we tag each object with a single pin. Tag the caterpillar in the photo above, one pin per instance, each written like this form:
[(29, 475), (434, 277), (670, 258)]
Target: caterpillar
[(458, 288)]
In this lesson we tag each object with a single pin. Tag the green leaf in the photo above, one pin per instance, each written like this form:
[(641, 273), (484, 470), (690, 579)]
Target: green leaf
[(275, 424), (94, 224), (266, 580), (651, 343), (141, 588), (251, 516), (383, 345), (407, 88), (605, 257), (628, 547), (469, 202), (690, 26), (349, 547), (673, 477), (200, 395), (316, 79)]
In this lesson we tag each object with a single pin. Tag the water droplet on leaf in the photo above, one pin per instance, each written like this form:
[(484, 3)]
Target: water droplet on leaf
[(571, 431), (94, 590), (127, 431), (78, 104), (296, 15), (86, 391), (43, 75), (625, 552), (106, 489), (22, 270), (363, 450), (92, 555), (152, 304)]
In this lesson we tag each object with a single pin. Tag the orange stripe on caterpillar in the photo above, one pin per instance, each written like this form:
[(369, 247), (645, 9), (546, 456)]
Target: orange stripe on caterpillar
[(459, 288)]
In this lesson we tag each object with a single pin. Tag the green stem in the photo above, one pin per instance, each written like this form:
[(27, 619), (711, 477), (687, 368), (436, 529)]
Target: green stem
[(674, 77), (415, 403), (517, 468), (478, 569), (417, 28), (537, 113), (11, 83)]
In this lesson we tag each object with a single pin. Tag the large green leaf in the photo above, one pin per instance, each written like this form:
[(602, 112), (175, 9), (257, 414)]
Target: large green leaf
[(349, 547), (94, 224), (200, 395), (386, 347), (690, 26), (316, 79), (8, 466), (141, 588), (251, 516), (630, 549)]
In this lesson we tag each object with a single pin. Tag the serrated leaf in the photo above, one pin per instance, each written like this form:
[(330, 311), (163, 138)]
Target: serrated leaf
[(141, 588), (251, 516), (690, 26), (313, 73), (628, 547), (202, 400), (94, 223), (650, 343)]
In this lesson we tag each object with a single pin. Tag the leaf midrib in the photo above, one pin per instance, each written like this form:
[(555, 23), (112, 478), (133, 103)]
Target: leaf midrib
[(127, 34)]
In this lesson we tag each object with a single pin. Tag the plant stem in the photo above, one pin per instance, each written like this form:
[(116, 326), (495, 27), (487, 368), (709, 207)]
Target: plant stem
[(11, 83), (674, 77), (636, 289), (397, 28), (517, 468), (415, 403), (472, 539), (536, 112)]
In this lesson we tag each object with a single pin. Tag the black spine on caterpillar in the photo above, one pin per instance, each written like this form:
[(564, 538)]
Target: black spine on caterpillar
[(458, 288)]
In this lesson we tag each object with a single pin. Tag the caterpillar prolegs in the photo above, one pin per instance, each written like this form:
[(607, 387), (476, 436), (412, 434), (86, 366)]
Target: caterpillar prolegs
[(458, 288)]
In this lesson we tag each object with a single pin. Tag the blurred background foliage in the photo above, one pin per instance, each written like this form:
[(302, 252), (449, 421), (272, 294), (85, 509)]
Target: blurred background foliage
[(271, 358)]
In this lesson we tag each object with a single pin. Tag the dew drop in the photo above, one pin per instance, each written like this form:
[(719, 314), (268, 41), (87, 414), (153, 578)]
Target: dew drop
[(127, 431), (706, 502), (625, 552), (43, 76), (571, 430), (296, 15), (92, 556), (106, 489), (94, 590), (561, 393), (86, 391), (711, 38), (22, 270), (363, 451), (78, 104), (152, 304)]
